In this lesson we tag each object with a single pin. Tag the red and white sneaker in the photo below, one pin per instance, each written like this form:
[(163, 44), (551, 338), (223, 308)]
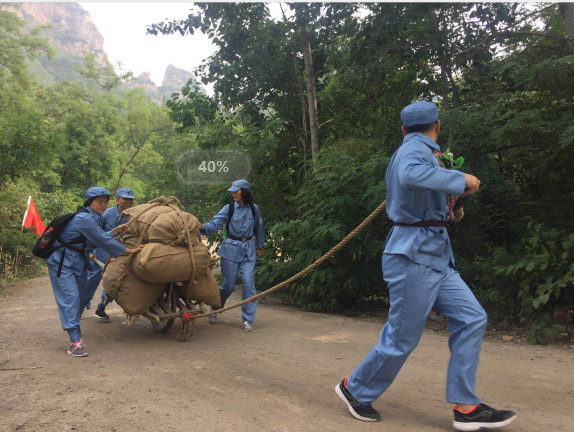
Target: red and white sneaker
[(77, 349)]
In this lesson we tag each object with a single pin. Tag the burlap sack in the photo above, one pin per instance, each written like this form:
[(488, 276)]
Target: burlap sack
[(145, 212), (134, 295), (162, 263), (206, 290), (168, 228), (143, 215), (129, 239), (166, 224)]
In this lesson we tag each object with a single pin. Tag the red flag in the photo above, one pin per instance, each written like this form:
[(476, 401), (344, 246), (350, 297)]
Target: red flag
[(32, 218)]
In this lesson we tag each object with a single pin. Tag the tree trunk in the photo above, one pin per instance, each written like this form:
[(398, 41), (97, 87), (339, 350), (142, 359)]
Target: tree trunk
[(305, 135), (304, 138), (311, 89), (444, 86), (445, 69), (567, 12), (440, 41)]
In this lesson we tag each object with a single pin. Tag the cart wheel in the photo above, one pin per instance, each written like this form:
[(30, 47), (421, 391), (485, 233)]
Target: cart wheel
[(165, 305)]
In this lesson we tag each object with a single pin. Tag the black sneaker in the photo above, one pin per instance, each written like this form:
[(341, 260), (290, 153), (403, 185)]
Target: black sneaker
[(482, 416), (101, 314), (357, 409)]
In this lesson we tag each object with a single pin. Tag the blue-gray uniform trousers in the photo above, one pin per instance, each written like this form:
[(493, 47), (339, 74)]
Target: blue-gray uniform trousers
[(71, 295), (246, 270), (94, 279), (414, 290), (110, 219)]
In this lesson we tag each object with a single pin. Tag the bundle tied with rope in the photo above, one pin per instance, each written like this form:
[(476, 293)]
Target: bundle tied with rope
[(173, 252)]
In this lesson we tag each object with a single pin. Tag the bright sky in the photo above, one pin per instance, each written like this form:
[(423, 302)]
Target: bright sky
[(123, 26)]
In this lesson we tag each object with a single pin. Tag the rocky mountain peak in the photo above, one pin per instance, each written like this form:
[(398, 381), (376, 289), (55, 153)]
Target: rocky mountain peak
[(72, 29), (175, 77), (145, 77)]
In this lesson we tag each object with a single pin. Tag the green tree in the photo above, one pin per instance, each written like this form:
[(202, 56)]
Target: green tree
[(141, 123), (26, 139), (17, 48), (259, 62)]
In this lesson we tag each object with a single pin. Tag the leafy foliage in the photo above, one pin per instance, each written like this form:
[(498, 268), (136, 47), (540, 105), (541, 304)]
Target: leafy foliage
[(346, 187), (542, 274)]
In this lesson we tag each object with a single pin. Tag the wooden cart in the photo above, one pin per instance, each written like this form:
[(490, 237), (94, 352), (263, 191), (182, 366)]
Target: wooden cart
[(172, 305)]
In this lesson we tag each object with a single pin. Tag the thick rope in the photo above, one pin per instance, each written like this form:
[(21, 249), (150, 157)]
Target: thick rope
[(191, 254), (293, 278)]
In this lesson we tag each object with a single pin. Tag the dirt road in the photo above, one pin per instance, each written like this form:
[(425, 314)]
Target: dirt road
[(280, 377)]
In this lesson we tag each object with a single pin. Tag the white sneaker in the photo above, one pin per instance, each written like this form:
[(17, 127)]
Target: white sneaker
[(247, 326), (212, 319)]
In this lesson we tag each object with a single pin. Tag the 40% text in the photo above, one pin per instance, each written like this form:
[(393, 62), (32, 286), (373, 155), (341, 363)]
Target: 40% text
[(213, 166)]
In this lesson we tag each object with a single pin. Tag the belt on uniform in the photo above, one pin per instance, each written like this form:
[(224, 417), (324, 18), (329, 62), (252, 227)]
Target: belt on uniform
[(424, 224), (241, 239)]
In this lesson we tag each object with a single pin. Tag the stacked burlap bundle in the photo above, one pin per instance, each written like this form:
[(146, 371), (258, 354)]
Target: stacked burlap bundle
[(170, 236), (134, 295)]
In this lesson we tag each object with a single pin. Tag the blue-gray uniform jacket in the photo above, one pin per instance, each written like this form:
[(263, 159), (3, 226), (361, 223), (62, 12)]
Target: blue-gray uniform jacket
[(110, 219), (416, 188), (242, 224), (88, 226)]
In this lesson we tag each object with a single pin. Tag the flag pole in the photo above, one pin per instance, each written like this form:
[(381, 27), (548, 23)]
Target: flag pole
[(26, 212)]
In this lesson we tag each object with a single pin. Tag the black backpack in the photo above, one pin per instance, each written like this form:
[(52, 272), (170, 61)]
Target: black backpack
[(230, 212), (45, 245)]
